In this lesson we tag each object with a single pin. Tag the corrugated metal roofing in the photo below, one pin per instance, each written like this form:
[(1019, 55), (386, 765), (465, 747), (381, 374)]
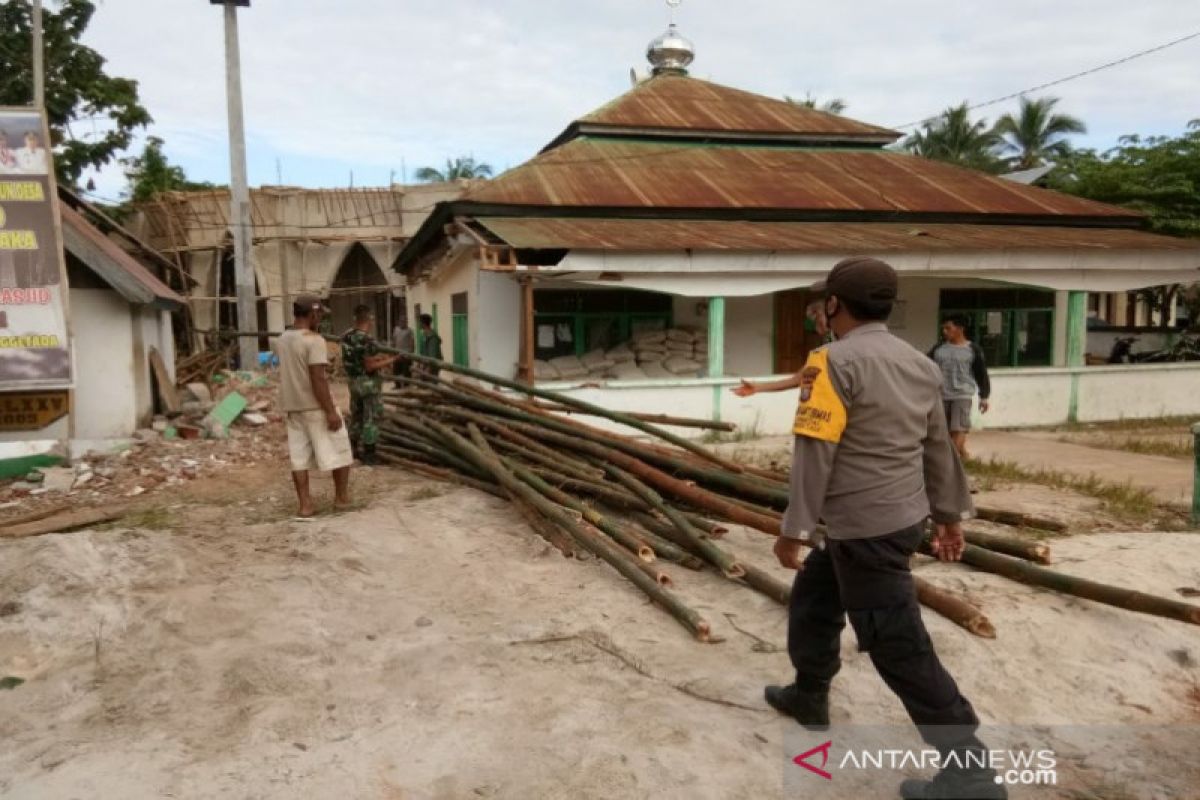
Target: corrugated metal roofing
[(621, 173), (638, 235), (116, 267), (674, 102)]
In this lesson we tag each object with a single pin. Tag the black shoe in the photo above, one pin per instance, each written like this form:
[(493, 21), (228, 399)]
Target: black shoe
[(810, 709), (955, 784)]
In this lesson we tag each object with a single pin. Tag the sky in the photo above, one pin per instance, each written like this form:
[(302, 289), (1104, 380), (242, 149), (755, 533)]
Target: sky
[(379, 88)]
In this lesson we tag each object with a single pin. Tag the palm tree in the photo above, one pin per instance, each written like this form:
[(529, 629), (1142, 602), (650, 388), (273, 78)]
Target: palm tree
[(835, 106), (1036, 134), (955, 138), (464, 167)]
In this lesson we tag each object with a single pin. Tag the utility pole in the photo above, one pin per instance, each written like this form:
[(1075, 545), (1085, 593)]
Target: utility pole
[(39, 66), (239, 212)]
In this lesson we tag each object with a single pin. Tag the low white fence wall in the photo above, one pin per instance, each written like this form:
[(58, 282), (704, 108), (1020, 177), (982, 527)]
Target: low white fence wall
[(1020, 397)]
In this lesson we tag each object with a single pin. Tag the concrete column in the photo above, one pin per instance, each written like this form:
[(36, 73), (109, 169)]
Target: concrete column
[(716, 337), (716, 349), (1076, 328), (1076, 345)]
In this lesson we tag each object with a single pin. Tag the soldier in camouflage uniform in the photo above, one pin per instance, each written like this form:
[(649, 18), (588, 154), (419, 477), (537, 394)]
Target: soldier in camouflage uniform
[(363, 364)]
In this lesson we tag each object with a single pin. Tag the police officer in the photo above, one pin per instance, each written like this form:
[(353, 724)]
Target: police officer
[(363, 362), (874, 460)]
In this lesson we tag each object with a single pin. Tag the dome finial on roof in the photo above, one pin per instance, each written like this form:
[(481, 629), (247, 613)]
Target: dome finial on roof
[(671, 52)]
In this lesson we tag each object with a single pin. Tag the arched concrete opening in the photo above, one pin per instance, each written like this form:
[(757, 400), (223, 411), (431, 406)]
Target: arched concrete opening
[(360, 281), (225, 280)]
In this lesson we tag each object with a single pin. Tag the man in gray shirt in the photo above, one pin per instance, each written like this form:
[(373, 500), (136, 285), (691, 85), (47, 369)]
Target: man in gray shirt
[(873, 460), (964, 374), (405, 341)]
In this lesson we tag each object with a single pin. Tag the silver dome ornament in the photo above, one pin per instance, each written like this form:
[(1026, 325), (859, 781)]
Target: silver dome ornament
[(670, 53)]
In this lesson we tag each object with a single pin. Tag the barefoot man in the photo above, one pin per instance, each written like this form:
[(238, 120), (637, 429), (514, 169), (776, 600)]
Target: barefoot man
[(317, 438)]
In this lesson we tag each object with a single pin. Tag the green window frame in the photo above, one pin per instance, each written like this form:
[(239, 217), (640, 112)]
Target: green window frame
[(1014, 327), (604, 318)]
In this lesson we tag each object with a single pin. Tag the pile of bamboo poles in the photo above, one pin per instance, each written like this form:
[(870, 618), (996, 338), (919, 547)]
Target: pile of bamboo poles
[(638, 500), (632, 502), (635, 502)]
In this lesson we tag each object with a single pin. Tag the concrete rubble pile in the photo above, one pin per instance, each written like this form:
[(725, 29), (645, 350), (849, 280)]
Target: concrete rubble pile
[(222, 424)]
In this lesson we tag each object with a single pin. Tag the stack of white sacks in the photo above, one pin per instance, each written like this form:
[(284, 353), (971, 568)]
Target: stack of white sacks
[(657, 355)]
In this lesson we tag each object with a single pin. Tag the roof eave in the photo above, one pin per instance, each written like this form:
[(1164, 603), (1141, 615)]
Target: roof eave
[(92, 250), (486, 209), (813, 139)]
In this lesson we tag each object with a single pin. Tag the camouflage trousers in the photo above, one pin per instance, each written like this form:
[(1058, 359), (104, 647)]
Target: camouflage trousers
[(366, 411)]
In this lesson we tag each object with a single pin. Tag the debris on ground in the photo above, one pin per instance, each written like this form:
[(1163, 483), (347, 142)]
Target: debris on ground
[(217, 427)]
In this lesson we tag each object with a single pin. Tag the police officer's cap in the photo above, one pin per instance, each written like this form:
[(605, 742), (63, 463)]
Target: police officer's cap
[(860, 279)]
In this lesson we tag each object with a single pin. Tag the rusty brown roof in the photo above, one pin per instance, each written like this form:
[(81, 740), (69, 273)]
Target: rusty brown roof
[(118, 269), (678, 105), (633, 174), (643, 235)]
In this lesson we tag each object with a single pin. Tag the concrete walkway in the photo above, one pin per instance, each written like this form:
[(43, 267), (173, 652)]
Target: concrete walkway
[(1170, 479)]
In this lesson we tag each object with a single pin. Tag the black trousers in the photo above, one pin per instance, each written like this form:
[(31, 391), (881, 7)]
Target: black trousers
[(870, 581)]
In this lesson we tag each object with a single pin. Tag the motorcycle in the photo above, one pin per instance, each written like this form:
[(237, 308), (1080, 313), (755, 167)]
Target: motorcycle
[(1122, 351)]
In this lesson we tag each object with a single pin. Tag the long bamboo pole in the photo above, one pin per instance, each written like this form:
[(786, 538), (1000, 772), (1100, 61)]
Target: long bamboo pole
[(657, 419), (683, 490), (1129, 599), (954, 608), (1019, 519), (1010, 545)]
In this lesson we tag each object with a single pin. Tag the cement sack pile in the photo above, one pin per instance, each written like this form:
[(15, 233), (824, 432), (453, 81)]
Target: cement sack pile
[(621, 354), (598, 364), (569, 367), (545, 371)]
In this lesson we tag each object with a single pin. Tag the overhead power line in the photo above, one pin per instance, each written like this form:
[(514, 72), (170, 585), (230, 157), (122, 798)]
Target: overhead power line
[(1085, 73)]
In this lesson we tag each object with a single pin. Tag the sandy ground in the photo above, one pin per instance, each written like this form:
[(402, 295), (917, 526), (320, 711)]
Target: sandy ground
[(429, 646)]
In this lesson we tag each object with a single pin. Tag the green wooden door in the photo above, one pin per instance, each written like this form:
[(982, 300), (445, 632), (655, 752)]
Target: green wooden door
[(462, 353), (460, 330)]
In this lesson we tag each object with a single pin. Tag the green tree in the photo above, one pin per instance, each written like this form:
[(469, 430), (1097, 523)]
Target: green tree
[(464, 167), (151, 173), (1158, 176), (79, 94), (1035, 134), (956, 138), (834, 105)]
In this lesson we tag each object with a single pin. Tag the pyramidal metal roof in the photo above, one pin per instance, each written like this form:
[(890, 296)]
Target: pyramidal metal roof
[(671, 105), (736, 181), (678, 148)]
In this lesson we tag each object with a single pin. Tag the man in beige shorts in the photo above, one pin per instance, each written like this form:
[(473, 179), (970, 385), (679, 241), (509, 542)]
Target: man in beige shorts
[(317, 437)]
